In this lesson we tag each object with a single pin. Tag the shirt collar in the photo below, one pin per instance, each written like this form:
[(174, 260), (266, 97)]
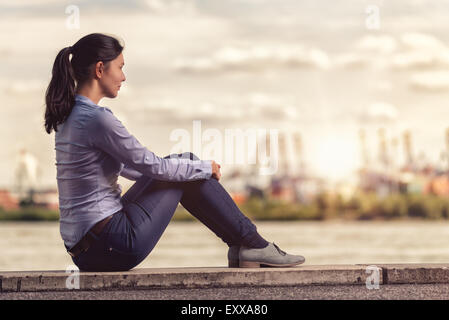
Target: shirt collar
[(85, 100)]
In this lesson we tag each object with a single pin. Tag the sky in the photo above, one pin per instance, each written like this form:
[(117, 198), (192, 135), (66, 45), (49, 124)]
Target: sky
[(323, 69)]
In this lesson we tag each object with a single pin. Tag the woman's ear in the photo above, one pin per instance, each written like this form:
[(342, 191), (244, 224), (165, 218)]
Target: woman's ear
[(99, 68)]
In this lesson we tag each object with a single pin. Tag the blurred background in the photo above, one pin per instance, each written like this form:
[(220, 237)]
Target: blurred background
[(357, 90)]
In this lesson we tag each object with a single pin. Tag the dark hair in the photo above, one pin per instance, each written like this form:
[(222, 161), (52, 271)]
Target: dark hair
[(68, 74)]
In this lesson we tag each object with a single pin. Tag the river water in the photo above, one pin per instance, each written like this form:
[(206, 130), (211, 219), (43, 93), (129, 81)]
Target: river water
[(38, 246)]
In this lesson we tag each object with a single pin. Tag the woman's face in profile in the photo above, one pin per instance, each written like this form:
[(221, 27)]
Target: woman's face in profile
[(113, 77)]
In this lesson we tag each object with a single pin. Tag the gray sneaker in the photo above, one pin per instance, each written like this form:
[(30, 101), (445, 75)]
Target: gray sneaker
[(233, 256), (270, 256)]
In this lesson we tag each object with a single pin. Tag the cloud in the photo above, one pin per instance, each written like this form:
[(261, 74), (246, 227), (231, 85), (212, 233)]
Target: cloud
[(25, 3), (254, 59), (381, 44), (420, 51), (55, 8), (255, 107), (171, 6), (351, 61), (430, 81), (383, 85), (379, 112), (422, 60), (175, 111), (414, 60), (19, 87), (265, 106), (413, 51), (420, 41)]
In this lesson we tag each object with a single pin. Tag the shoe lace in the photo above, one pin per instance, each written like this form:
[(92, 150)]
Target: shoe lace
[(278, 249)]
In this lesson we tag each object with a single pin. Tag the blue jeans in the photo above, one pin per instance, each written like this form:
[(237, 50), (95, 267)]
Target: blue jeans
[(148, 206)]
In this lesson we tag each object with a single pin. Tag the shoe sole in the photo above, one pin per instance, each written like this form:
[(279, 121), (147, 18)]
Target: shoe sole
[(255, 264)]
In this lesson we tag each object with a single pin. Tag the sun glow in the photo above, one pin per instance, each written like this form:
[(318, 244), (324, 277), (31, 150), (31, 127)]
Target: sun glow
[(335, 158)]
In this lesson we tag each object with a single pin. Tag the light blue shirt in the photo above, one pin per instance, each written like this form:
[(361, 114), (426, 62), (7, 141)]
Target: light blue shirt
[(92, 149)]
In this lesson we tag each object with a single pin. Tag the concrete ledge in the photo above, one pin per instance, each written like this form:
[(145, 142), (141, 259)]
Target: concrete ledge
[(146, 278), (415, 273)]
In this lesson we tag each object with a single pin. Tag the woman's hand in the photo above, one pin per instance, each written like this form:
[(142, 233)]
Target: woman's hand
[(216, 170)]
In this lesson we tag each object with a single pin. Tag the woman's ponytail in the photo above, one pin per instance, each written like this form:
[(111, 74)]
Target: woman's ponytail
[(60, 94), (68, 74)]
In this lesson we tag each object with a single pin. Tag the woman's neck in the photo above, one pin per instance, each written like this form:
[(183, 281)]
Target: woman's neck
[(90, 91)]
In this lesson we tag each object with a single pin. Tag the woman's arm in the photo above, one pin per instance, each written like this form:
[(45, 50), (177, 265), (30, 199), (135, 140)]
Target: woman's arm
[(107, 133), (130, 173)]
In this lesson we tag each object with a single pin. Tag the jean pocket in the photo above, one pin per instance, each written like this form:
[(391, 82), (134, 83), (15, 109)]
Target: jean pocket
[(114, 250), (119, 260)]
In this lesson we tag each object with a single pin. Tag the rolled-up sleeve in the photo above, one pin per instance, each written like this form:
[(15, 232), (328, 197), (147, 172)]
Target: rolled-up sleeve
[(107, 133)]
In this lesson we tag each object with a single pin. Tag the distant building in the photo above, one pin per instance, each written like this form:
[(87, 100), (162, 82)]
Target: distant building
[(238, 197), (46, 198), (26, 171), (8, 201), (438, 186), (282, 189), (299, 189)]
